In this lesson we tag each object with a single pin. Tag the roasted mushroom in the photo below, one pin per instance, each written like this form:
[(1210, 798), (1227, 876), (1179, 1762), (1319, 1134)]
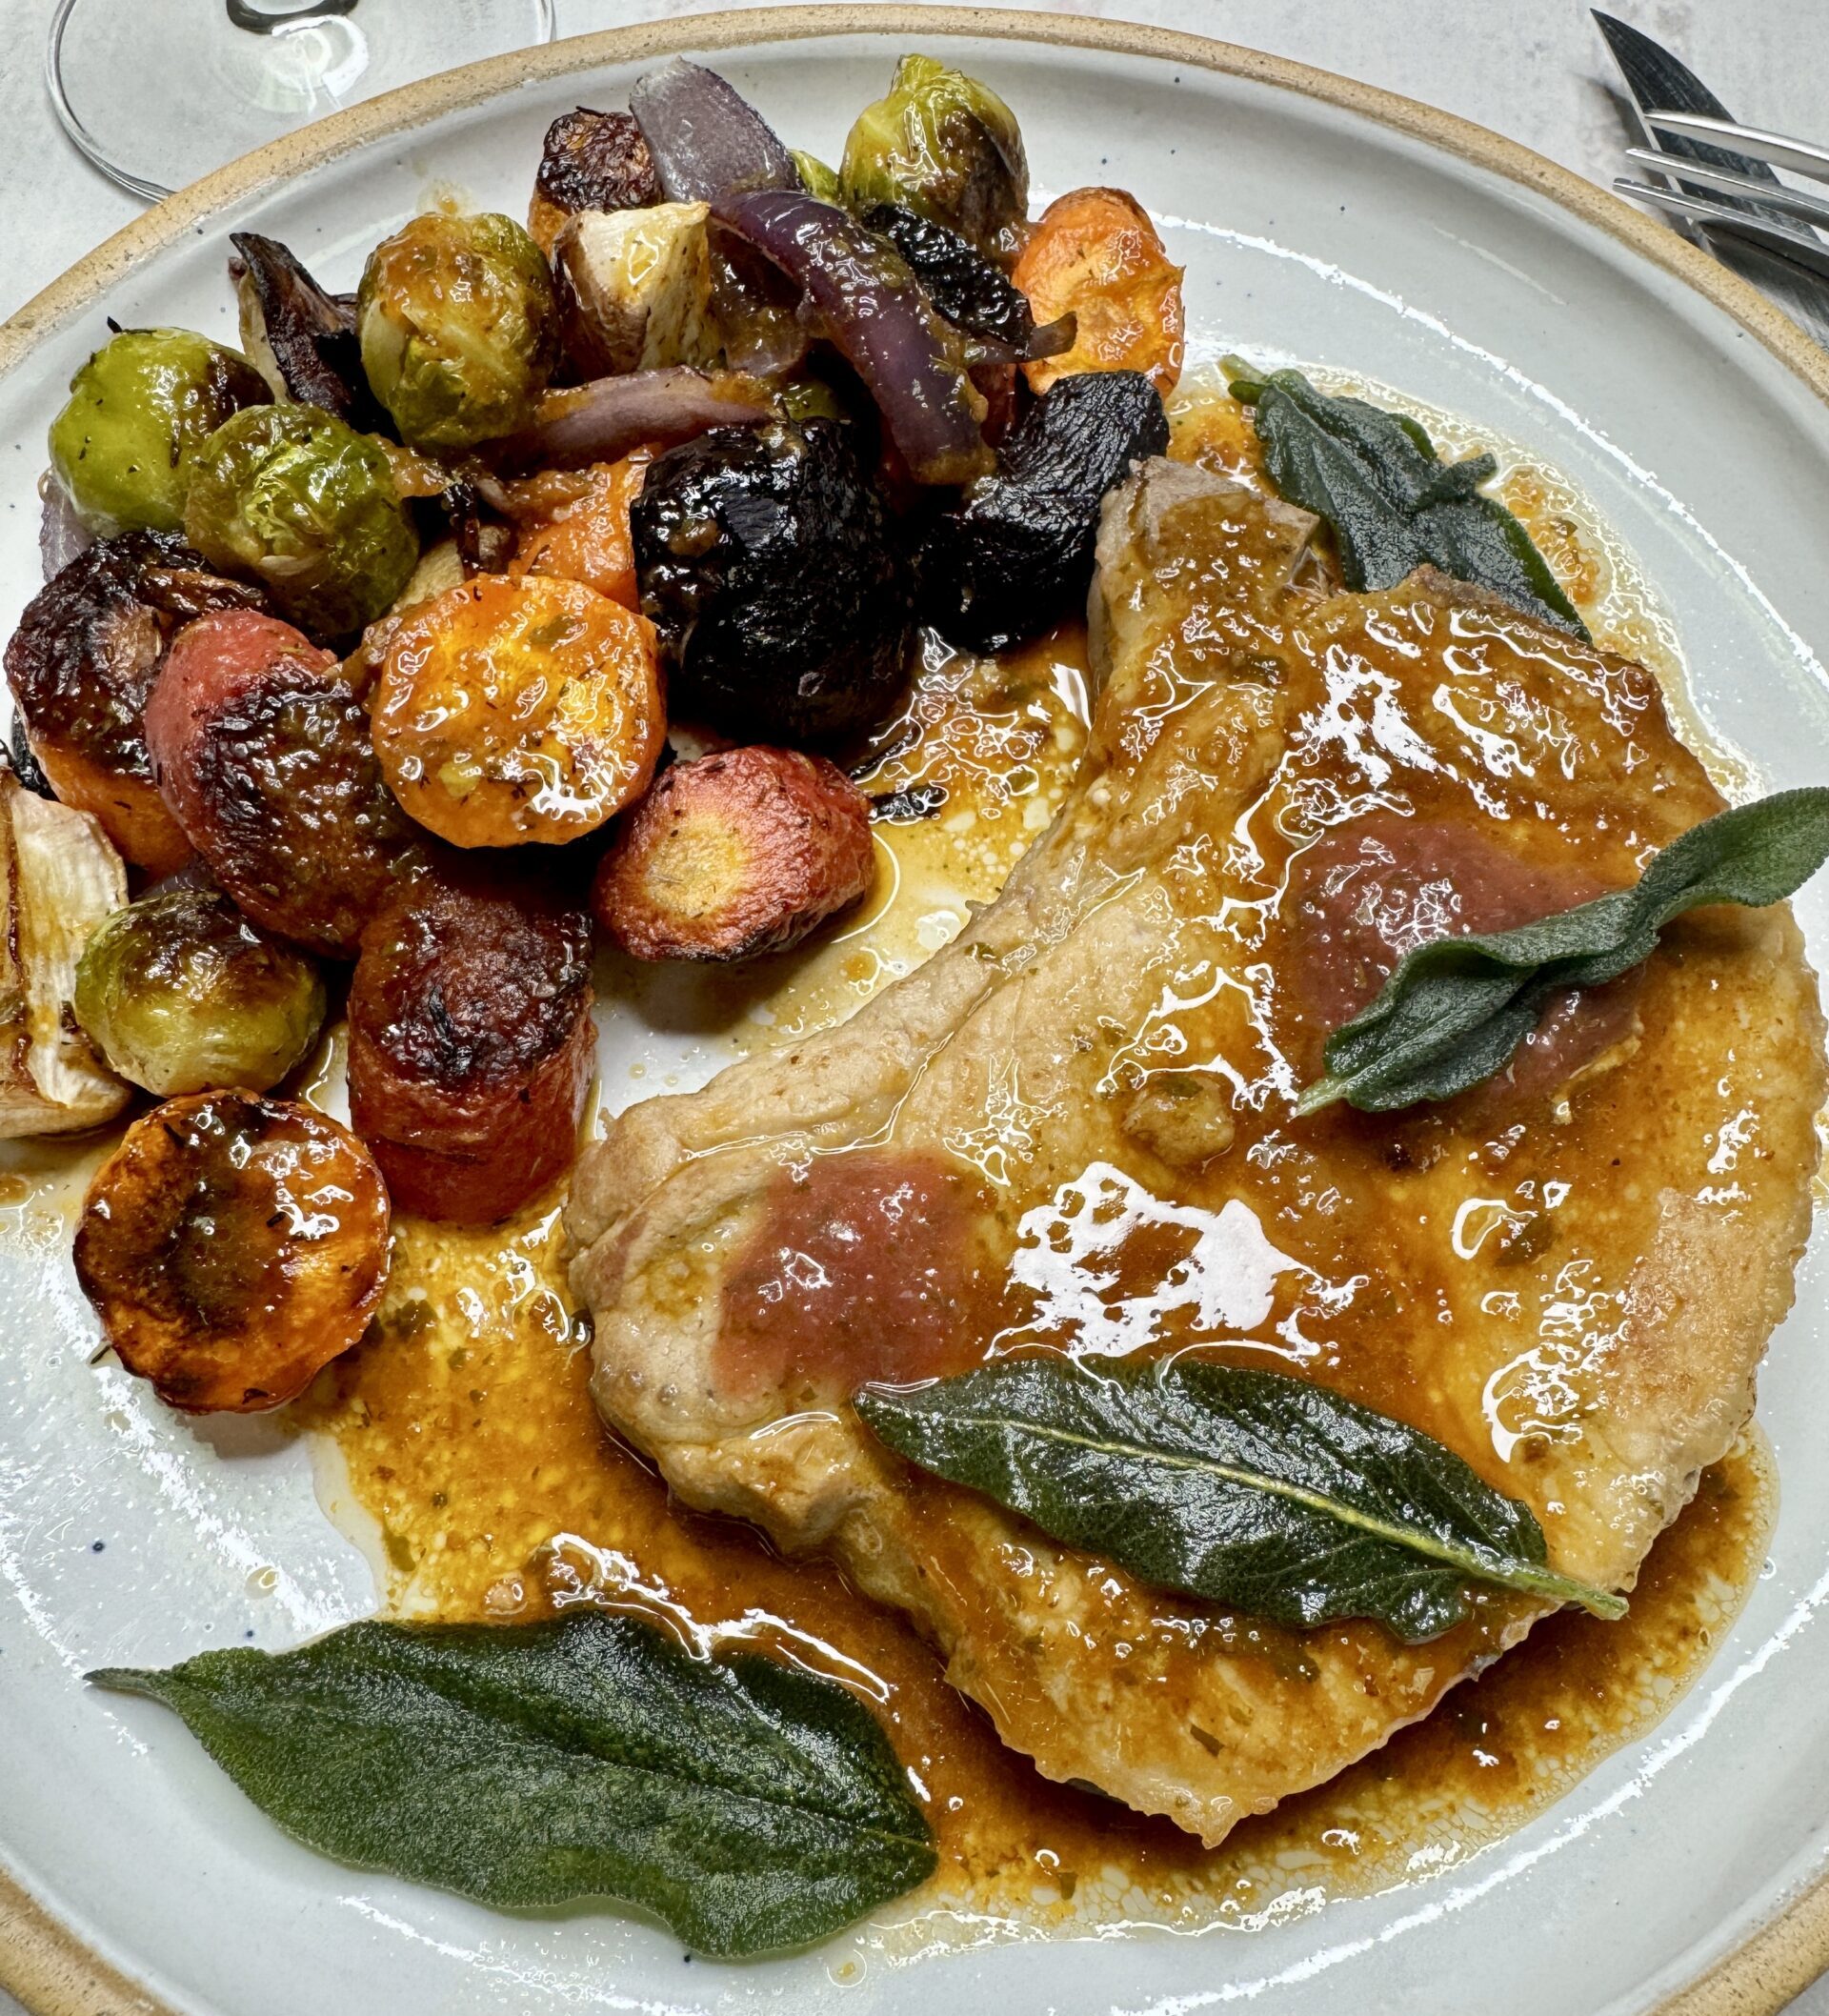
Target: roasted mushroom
[(736, 855), (971, 291), (508, 711), (471, 1042), (232, 1246), (946, 146), (59, 879), (766, 560), (590, 161), (459, 326), (138, 413), (298, 500), (81, 664), (261, 749), (1015, 554), (181, 993)]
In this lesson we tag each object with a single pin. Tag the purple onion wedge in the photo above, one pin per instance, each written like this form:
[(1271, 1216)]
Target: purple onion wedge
[(61, 533), (871, 307), (705, 137), (603, 420)]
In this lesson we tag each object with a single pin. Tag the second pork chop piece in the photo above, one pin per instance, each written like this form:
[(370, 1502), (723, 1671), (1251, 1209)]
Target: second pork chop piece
[(1073, 1128)]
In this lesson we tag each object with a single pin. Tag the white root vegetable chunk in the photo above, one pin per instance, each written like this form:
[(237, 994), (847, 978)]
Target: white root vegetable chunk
[(641, 281), (59, 877)]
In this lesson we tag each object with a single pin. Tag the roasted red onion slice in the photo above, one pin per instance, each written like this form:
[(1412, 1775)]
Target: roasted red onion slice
[(61, 533), (603, 420), (705, 137), (869, 305)]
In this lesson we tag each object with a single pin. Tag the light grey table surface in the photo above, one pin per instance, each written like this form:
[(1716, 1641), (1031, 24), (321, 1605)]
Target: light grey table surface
[(1533, 69)]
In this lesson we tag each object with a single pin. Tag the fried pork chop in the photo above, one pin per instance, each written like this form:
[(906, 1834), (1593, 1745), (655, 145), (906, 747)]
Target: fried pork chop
[(1073, 1128)]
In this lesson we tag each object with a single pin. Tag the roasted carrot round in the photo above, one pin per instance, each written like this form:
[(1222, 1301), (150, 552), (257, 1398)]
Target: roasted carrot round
[(1095, 252), (232, 1246), (586, 539), (736, 855), (508, 711)]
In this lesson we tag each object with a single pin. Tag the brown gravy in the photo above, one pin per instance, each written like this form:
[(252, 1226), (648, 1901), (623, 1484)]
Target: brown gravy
[(466, 1429)]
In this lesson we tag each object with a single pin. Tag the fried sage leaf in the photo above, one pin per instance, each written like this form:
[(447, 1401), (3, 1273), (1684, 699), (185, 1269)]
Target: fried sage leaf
[(749, 1804), (1455, 1009), (1390, 501), (1253, 1489)]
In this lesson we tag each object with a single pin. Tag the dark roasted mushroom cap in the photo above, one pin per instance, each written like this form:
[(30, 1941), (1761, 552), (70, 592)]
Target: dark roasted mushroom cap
[(1016, 553), (310, 333), (765, 560)]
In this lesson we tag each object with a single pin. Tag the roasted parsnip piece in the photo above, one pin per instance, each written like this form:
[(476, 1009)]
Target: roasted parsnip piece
[(232, 1246), (635, 289), (736, 855), (59, 877), (1096, 256)]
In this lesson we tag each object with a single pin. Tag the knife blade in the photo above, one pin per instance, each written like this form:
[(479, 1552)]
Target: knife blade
[(1656, 81)]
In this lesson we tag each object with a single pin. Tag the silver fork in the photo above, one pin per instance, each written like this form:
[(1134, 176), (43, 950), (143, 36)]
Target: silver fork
[(1720, 178), (1750, 142)]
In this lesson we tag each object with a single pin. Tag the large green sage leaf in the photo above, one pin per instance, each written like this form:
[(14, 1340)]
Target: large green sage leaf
[(1391, 503), (1455, 1009), (1253, 1489), (749, 1804)]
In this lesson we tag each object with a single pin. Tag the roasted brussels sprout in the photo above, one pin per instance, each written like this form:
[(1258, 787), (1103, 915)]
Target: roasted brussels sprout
[(138, 413), (295, 498), (764, 559), (459, 326), (820, 180), (946, 146), (1016, 553), (181, 993)]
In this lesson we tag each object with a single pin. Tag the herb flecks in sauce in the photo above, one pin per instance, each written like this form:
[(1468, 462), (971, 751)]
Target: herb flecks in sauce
[(465, 1428)]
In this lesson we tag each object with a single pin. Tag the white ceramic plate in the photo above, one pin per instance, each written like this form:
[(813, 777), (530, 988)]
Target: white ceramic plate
[(1315, 220)]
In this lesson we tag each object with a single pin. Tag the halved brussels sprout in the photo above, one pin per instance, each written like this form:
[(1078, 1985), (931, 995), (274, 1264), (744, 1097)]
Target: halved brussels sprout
[(459, 326), (945, 145), (821, 181), (138, 413), (181, 993), (296, 499)]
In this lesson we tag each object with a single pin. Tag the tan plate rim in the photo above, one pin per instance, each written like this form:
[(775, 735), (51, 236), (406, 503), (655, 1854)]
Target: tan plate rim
[(42, 1962)]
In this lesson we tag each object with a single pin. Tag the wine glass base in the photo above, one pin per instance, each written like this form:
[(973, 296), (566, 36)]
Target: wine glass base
[(157, 92)]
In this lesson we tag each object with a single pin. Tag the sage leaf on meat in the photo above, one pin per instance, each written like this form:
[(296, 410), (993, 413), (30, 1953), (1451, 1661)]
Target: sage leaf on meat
[(1253, 1489), (749, 1805), (1391, 503), (1455, 1010)]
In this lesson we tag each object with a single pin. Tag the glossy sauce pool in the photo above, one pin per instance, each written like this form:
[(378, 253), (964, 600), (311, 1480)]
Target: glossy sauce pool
[(462, 1439), (459, 1442)]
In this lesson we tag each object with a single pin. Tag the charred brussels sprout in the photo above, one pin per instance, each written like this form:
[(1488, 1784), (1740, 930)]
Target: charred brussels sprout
[(296, 499), (764, 561), (182, 994), (459, 326), (1016, 553), (138, 413), (943, 145)]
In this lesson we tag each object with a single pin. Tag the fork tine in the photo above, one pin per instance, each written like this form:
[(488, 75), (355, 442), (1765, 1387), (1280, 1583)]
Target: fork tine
[(1793, 202), (1777, 150), (1802, 248)]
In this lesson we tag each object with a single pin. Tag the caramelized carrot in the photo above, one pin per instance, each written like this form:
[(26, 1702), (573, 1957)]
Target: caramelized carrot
[(1095, 252), (232, 1246), (510, 710), (587, 537), (736, 855)]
